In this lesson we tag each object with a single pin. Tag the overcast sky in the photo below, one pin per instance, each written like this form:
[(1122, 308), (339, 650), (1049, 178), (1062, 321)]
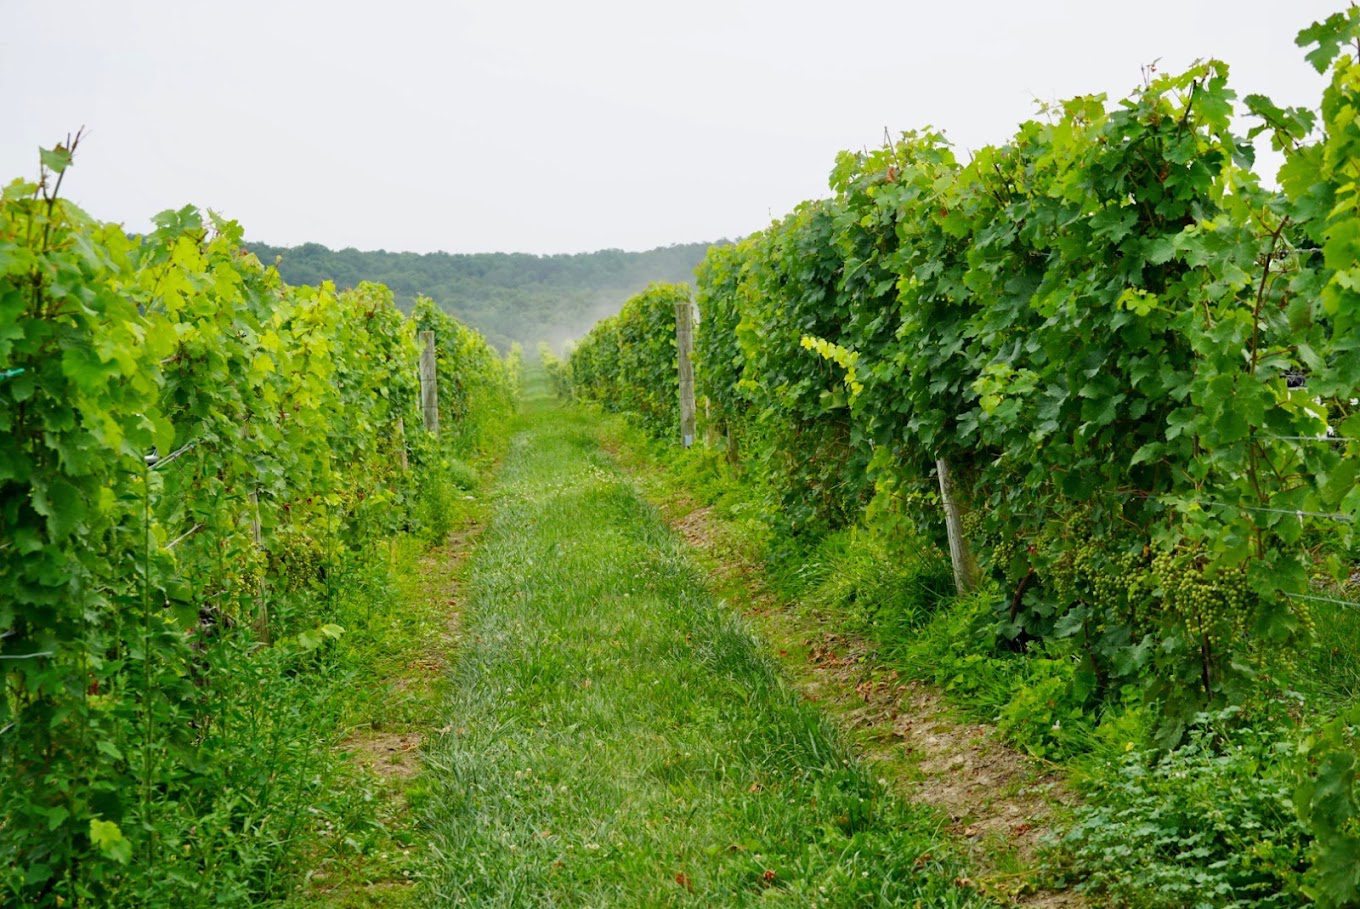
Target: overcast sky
[(560, 126)]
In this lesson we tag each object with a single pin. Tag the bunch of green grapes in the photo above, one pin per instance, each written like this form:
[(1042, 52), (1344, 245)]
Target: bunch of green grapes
[(1304, 614), (1004, 552), (297, 558), (1114, 585), (1067, 573), (1210, 602), (1121, 583)]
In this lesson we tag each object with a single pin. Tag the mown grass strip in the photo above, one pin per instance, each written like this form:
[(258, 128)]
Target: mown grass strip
[(620, 739)]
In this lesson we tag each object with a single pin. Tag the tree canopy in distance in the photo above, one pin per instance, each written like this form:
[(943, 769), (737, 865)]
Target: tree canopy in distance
[(507, 296)]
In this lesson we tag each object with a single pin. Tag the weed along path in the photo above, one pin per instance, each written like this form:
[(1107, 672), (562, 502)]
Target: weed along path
[(618, 738)]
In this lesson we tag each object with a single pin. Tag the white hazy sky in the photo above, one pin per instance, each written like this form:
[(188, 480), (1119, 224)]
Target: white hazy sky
[(560, 126)]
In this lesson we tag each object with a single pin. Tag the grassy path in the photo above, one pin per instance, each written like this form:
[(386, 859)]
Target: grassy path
[(619, 739)]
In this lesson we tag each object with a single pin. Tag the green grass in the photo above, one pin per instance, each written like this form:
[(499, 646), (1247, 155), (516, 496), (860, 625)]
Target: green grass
[(1328, 673), (618, 738)]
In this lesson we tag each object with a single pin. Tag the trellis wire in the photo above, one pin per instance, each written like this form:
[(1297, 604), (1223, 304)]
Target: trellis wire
[(1349, 604)]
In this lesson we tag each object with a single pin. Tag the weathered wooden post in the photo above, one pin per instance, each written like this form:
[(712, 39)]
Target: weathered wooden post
[(965, 567), (402, 458), (429, 387), (684, 348)]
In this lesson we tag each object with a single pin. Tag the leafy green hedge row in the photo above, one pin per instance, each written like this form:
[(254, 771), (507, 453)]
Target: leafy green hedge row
[(628, 362), (192, 454), (1130, 350), (1142, 364), (555, 369)]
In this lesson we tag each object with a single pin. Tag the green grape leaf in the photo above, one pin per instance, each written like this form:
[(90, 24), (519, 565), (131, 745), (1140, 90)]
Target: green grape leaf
[(55, 159)]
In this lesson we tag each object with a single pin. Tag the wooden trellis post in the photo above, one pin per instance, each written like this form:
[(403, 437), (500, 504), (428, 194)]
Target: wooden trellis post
[(965, 567), (402, 458), (684, 348), (256, 533), (429, 386)]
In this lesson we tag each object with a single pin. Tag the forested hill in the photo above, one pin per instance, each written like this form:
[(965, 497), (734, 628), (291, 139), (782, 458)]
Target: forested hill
[(507, 296)]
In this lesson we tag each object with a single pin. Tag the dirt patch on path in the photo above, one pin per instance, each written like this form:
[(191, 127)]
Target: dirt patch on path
[(392, 751), (388, 754), (999, 802), (386, 743)]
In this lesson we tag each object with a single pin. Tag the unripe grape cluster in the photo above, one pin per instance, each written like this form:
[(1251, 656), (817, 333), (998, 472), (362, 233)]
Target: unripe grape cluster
[(1113, 584), (1085, 567), (1003, 553), (1121, 582), (1304, 613), (299, 559), (1210, 602)]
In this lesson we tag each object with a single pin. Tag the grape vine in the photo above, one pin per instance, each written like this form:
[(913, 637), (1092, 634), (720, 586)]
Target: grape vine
[(193, 456)]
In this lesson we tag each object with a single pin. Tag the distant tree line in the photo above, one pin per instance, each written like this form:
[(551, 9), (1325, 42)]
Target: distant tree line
[(509, 297)]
